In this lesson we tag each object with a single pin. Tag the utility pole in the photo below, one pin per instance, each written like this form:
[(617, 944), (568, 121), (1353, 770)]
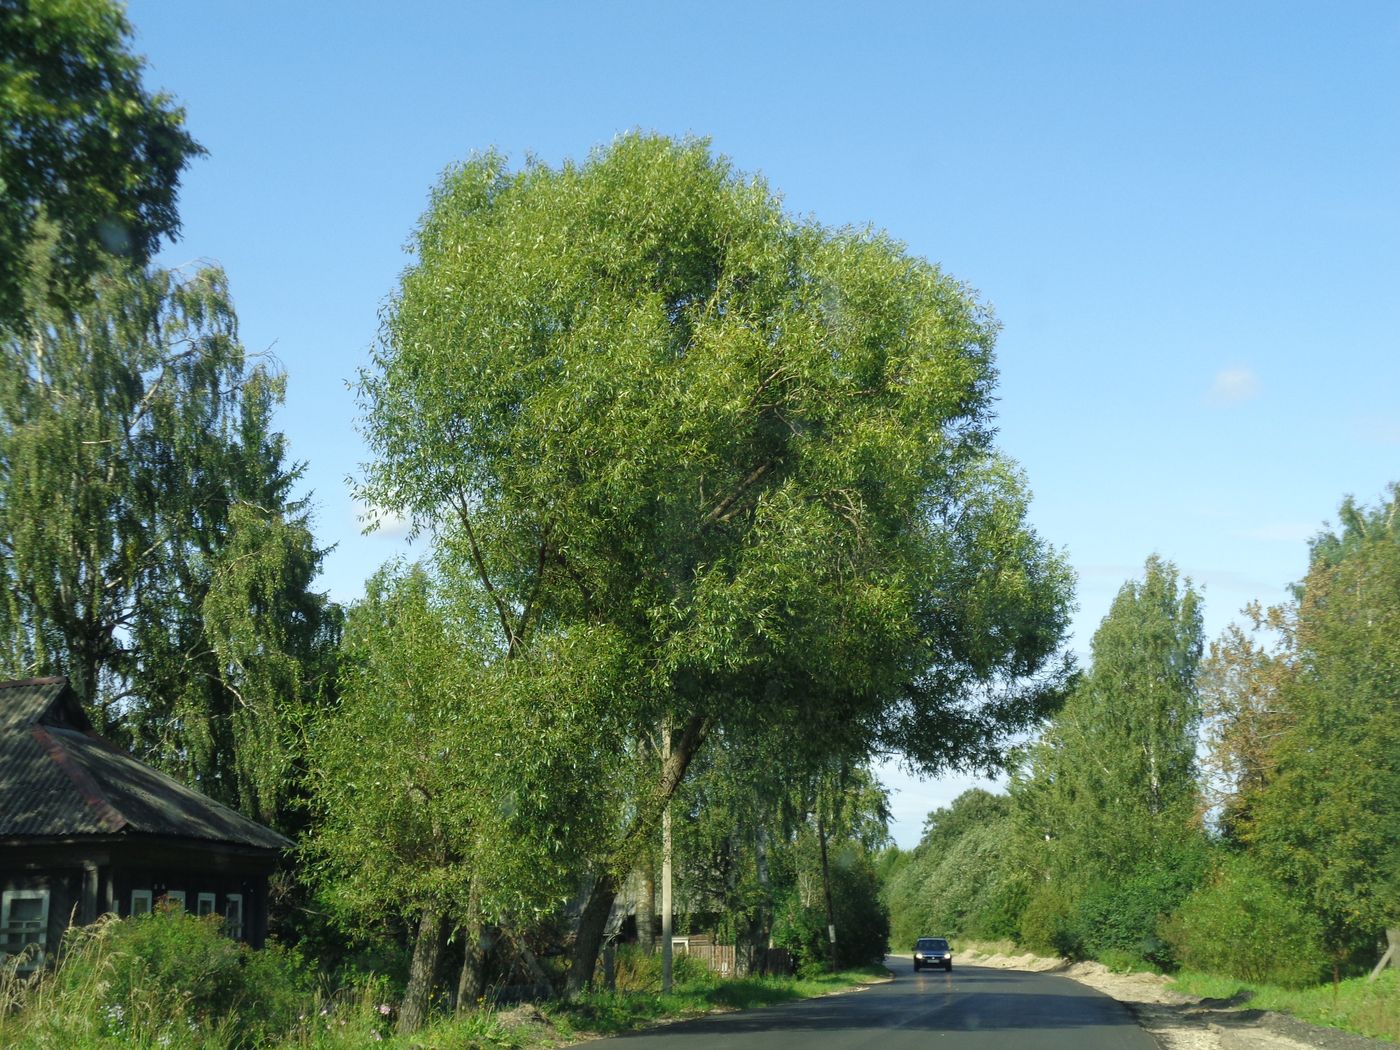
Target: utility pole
[(826, 886)]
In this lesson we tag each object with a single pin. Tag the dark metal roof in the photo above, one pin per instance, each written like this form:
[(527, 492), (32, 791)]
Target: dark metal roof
[(59, 779)]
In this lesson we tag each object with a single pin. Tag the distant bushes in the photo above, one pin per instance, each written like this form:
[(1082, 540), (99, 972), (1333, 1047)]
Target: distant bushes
[(962, 879)]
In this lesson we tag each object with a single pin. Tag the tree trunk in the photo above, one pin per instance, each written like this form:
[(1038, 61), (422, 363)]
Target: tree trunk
[(538, 977), (592, 924), (751, 953), (473, 961), (668, 946), (422, 972), (594, 920)]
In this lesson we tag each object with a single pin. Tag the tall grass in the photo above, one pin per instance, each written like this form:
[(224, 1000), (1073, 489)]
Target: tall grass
[(169, 981)]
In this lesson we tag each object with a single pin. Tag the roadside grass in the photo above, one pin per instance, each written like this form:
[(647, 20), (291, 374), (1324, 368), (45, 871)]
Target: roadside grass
[(1357, 1005), (612, 1013), (59, 1013)]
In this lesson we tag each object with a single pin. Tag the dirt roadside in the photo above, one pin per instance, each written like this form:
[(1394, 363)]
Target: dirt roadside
[(1179, 1022)]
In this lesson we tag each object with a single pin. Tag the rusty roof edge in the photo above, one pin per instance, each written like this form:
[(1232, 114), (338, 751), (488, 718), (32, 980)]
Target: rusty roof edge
[(80, 778), (207, 800)]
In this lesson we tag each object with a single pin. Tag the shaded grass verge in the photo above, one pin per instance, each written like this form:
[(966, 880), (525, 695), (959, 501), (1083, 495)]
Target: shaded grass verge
[(1370, 1008), (612, 1013)]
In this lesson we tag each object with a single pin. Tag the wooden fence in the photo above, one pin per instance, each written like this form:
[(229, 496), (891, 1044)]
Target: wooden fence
[(720, 957)]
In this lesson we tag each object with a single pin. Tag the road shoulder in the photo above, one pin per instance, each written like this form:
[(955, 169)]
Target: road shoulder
[(1180, 1022)]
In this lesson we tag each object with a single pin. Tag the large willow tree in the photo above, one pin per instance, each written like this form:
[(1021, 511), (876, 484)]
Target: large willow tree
[(636, 392), (152, 548)]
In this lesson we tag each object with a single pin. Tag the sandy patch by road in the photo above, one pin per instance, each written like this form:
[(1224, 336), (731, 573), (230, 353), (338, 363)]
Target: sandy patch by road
[(1179, 1022)]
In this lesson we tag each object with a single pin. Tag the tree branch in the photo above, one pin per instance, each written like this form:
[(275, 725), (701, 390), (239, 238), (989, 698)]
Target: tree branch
[(480, 563), (718, 512)]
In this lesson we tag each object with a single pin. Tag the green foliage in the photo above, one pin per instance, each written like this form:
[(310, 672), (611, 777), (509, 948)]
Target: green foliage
[(635, 391), (1243, 923), (165, 979), (636, 970), (962, 878), (1124, 918), (446, 775), (1106, 807), (862, 920), (83, 145), (1049, 922), (633, 394), (1326, 822), (154, 552)]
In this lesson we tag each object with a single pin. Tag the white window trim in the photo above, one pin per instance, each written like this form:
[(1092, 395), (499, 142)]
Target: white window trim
[(174, 897), (7, 899), (205, 899), (233, 930), (144, 897)]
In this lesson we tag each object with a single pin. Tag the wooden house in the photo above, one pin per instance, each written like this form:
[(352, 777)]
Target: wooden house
[(86, 829)]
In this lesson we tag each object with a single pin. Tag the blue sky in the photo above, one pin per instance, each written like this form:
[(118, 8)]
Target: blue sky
[(1187, 217)]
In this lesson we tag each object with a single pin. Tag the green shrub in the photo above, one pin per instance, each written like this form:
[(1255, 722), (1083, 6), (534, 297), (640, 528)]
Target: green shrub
[(636, 970), (1048, 924), (1245, 924), (165, 979), (1121, 919), (862, 920)]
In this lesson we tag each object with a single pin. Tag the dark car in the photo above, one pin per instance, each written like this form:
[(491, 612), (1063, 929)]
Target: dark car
[(932, 951)]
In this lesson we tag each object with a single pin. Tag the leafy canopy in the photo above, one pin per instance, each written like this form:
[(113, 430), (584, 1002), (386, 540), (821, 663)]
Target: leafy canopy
[(82, 144), (635, 391), (1326, 820), (447, 777)]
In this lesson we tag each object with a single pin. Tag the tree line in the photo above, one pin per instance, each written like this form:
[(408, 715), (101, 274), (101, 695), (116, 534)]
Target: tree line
[(714, 511), (1234, 809)]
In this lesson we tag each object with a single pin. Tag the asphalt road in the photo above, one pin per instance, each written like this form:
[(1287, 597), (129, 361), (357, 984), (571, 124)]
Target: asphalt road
[(972, 1008)]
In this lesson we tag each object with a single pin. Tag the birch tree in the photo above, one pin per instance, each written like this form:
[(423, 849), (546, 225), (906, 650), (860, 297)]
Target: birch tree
[(1109, 801), (153, 548)]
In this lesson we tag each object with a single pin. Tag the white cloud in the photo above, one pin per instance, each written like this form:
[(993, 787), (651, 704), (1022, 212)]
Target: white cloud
[(1233, 385), (387, 523)]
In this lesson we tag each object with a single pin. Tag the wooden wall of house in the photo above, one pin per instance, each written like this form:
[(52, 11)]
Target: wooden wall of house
[(87, 881), (192, 881)]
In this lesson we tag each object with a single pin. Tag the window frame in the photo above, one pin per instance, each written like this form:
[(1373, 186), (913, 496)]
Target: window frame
[(201, 900), (234, 931), (7, 899), (174, 897), (144, 896)]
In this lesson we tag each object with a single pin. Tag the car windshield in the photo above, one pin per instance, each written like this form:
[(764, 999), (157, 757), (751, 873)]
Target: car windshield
[(931, 944)]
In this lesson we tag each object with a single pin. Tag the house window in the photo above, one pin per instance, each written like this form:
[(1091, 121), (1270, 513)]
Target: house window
[(233, 915), (24, 921), (204, 905), (175, 898), (140, 902)]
